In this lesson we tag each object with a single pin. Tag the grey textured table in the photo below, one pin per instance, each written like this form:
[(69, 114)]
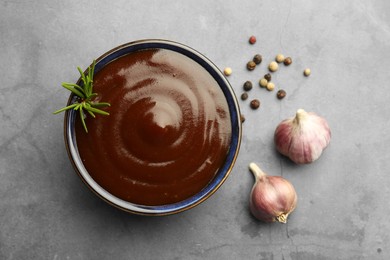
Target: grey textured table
[(46, 212)]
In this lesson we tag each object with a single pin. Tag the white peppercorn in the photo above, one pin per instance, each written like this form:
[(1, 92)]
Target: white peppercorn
[(307, 72), (263, 82), (227, 71), (270, 86), (279, 58), (273, 66)]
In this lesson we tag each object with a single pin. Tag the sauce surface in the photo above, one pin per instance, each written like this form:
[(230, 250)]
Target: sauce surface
[(168, 131)]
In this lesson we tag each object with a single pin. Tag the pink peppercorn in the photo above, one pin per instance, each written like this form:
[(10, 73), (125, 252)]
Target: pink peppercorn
[(252, 39)]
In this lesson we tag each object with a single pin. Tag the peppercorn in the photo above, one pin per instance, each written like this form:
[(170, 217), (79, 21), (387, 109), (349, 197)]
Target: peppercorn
[(244, 96), (263, 82), (287, 61), (247, 85), (270, 86), (281, 94), (242, 117), (279, 58), (255, 104), (252, 39), (251, 65), (267, 77), (227, 71), (307, 72), (257, 59), (273, 66)]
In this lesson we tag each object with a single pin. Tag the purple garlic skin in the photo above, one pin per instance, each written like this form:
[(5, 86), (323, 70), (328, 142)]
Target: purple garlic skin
[(302, 138), (272, 198)]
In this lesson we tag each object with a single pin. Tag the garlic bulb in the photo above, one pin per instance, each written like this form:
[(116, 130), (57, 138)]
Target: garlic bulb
[(302, 138), (272, 198)]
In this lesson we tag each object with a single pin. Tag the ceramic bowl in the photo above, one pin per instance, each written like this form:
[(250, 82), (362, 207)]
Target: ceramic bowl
[(223, 172)]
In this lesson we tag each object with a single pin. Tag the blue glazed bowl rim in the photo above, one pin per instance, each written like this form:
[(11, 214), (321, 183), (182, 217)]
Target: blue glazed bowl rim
[(223, 172)]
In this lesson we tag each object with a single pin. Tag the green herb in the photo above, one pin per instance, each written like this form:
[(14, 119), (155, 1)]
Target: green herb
[(84, 103)]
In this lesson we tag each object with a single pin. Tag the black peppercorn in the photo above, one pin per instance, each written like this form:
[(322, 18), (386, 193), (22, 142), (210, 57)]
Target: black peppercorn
[(257, 59), (255, 104), (281, 94), (244, 96), (268, 77), (251, 65), (247, 85)]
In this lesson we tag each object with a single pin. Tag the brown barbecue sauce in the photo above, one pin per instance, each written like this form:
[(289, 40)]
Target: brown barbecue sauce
[(168, 131)]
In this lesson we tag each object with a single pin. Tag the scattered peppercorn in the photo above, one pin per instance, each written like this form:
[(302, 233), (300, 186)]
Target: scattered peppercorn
[(242, 117), (263, 82), (244, 96), (257, 59), (281, 94), (247, 85), (251, 65), (255, 104), (273, 66), (227, 71), (287, 61), (270, 86), (307, 72), (268, 77), (252, 39), (279, 58)]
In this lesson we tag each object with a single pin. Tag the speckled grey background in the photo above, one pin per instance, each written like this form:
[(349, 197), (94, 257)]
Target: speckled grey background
[(46, 212)]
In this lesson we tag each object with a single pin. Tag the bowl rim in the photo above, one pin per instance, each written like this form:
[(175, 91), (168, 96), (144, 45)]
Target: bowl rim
[(223, 172)]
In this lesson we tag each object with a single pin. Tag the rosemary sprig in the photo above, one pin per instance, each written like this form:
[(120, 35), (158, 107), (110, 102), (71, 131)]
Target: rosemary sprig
[(85, 94)]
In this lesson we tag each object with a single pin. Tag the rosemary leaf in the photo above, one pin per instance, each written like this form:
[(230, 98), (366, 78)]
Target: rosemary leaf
[(76, 87), (71, 84), (77, 107), (91, 113), (83, 120), (100, 104), (92, 70), (75, 91), (97, 111), (65, 108), (83, 78)]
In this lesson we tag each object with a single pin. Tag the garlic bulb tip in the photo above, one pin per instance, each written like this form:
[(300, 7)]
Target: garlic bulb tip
[(257, 172)]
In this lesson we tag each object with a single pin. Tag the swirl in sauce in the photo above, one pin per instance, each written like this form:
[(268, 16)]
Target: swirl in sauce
[(168, 131)]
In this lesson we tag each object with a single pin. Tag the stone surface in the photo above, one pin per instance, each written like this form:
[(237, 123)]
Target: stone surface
[(46, 212)]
